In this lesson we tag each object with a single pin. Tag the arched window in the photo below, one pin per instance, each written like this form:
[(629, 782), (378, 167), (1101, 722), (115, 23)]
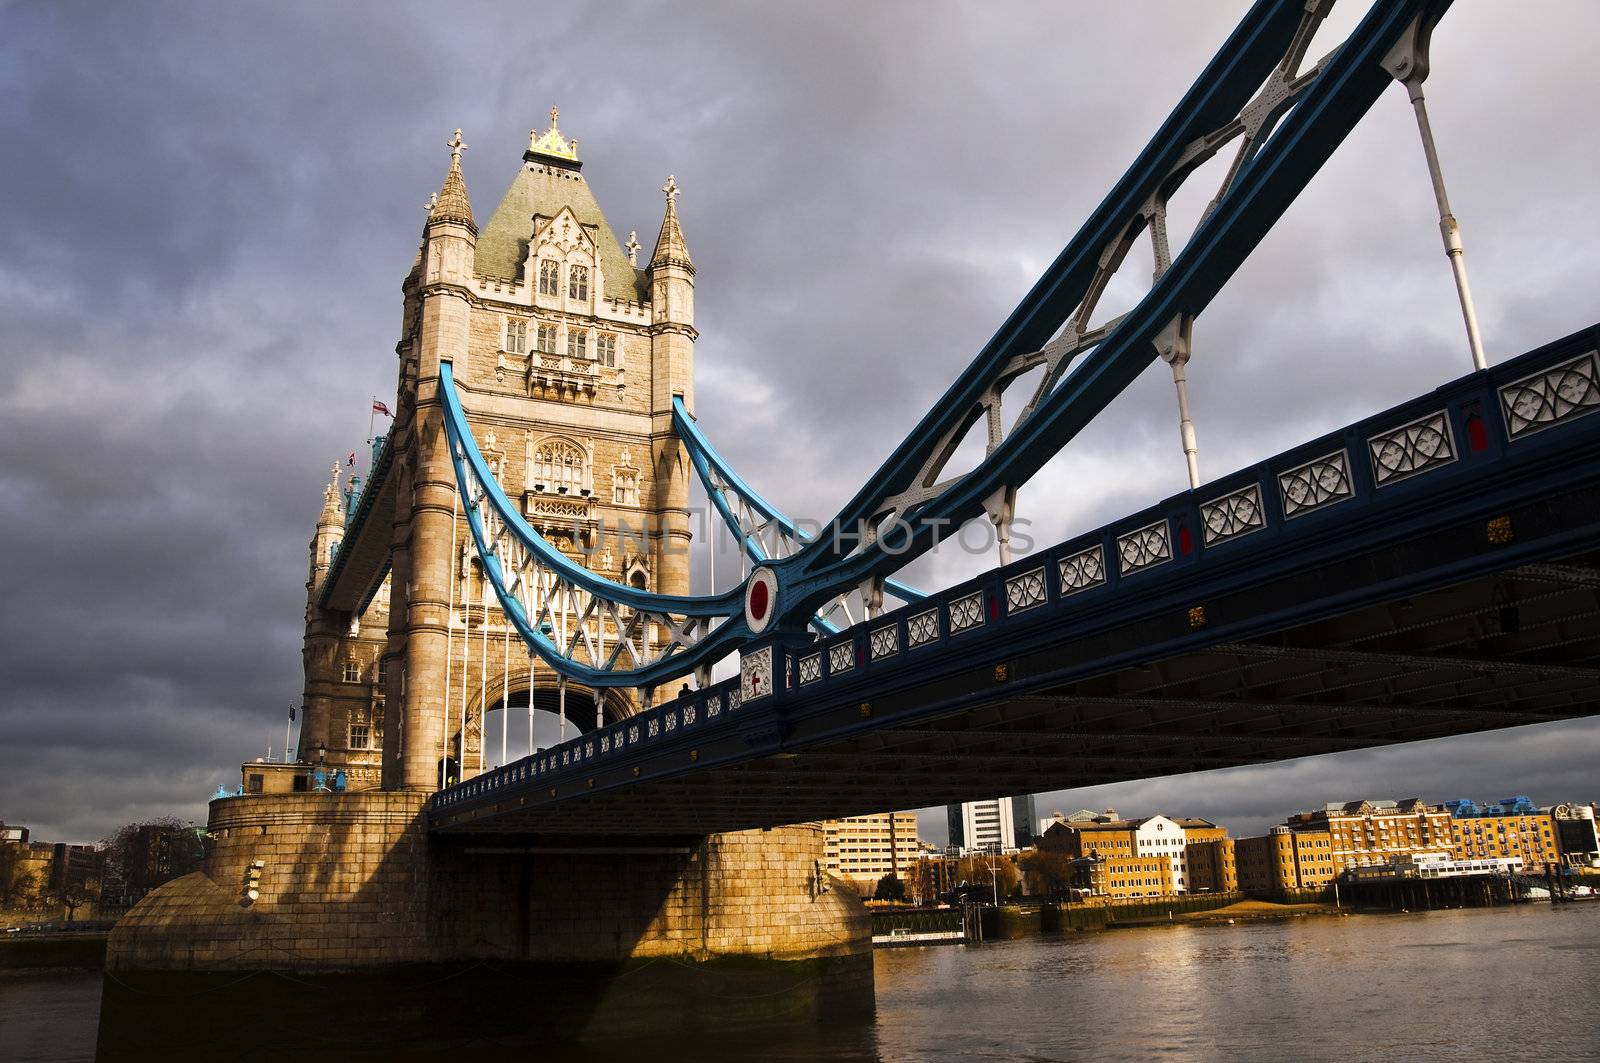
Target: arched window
[(577, 282), (549, 277), (560, 467)]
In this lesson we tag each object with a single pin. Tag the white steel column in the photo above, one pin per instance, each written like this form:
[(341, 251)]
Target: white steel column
[(466, 656), (449, 637), (1407, 62), (561, 702), (505, 688), (483, 684)]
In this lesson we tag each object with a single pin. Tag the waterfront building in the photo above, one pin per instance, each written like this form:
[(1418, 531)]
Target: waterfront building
[(1286, 858), (1000, 824), (1373, 832), (1119, 877), (1577, 838), (862, 849), (1213, 865), (1512, 827), (1089, 834)]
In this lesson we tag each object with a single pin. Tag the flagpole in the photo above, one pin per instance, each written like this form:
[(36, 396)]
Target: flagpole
[(372, 413), (288, 729)]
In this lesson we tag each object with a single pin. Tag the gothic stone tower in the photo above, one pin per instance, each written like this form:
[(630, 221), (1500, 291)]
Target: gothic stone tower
[(568, 354)]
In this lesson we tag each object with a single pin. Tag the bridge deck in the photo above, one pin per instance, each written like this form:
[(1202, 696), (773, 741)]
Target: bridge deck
[(1431, 571)]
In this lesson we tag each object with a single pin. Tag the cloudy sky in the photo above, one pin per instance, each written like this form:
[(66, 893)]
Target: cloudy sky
[(211, 208)]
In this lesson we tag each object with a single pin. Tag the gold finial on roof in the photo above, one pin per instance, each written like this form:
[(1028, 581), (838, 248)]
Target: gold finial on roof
[(551, 142), (671, 188)]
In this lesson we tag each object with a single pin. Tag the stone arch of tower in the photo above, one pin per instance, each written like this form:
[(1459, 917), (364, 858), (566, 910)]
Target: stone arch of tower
[(580, 702)]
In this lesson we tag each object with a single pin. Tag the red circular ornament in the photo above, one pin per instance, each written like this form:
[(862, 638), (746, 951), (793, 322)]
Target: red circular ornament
[(759, 600)]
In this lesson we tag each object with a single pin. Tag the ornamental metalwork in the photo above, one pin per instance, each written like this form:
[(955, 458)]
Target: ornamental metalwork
[(714, 705), (922, 628), (884, 642), (605, 743), (1538, 401), (966, 613), (653, 728), (841, 658), (1412, 448), (755, 674), (671, 721), (1145, 547), (633, 734), (735, 699), (1084, 569), (1319, 482), (810, 668), (1025, 591), (688, 714), (1237, 513)]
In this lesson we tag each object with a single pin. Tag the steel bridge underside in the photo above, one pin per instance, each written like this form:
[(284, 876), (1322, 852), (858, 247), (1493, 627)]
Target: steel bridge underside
[(1461, 598), (1518, 646)]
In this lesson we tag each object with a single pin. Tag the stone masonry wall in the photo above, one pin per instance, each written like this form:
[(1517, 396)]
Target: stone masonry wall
[(354, 880)]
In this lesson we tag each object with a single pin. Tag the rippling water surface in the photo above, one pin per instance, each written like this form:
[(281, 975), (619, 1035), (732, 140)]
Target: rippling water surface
[(1521, 982)]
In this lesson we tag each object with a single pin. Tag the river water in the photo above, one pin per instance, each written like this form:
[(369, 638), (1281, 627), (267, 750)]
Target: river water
[(1516, 982)]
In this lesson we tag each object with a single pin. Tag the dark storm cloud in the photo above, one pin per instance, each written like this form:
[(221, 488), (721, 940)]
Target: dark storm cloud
[(210, 210)]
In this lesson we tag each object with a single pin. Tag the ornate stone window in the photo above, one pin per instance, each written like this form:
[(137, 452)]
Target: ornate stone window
[(577, 342), (559, 466), (577, 282), (625, 487), (605, 348), (358, 736), (549, 277), (516, 336), (352, 672), (545, 339)]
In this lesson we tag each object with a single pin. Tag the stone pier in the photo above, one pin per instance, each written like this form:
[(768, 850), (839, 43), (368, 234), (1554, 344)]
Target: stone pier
[(354, 883)]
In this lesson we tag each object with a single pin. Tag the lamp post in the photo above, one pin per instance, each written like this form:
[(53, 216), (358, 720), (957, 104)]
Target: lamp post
[(319, 779)]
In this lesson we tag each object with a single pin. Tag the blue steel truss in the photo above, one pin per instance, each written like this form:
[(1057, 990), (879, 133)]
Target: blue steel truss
[(764, 532), (585, 626), (1518, 435), (1287, 122)]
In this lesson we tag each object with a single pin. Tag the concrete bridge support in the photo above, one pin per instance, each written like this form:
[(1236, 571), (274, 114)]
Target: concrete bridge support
[(354, 883)]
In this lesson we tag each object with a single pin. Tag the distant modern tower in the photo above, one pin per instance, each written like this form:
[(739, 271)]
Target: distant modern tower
[(1003, 822)]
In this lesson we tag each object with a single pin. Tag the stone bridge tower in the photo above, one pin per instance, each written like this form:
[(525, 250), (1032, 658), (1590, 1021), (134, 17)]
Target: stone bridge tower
[(568, 351)]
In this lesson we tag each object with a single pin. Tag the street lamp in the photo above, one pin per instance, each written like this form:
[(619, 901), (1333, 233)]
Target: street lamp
[(319, 778)]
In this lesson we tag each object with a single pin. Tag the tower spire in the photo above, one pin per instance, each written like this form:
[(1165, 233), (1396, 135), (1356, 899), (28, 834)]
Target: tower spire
[(452, 203), (670, 248), (551, 144), (332, 512)]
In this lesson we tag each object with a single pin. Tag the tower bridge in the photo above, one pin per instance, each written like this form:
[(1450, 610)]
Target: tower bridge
[(1427, 571)]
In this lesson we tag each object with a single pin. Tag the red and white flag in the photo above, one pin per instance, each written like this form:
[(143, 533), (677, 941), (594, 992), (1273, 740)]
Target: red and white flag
[(352, 459), (378, 407)]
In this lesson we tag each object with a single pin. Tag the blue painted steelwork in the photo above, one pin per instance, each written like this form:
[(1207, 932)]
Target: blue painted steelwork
[(1289, 129), (484, 500), (1494, 462), (1305, 128), (377, 481), (711, 467)]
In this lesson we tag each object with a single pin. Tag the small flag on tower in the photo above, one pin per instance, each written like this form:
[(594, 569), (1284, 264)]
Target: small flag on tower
[(351, 460), (378, 407), (291, 714)]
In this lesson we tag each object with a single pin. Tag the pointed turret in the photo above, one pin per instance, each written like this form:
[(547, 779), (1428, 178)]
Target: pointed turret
[(670, 248), (452, 203), (330, 529), (672, 337)]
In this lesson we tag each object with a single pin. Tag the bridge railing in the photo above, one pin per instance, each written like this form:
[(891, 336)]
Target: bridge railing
[(1329, 495)]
